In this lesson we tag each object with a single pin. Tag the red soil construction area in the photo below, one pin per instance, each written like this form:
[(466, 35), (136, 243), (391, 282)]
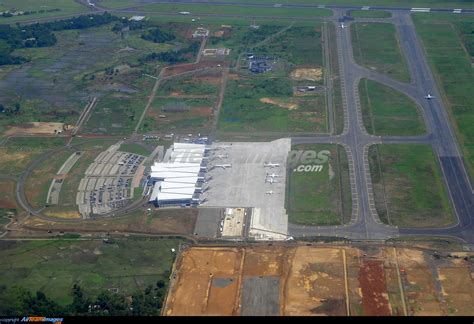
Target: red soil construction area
[(374, 290)]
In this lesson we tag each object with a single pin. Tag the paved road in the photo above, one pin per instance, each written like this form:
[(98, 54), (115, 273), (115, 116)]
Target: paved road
[(365, 224)]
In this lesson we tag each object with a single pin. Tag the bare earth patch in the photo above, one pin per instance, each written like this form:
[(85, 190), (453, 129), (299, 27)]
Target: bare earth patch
[(35, 128), (307, 74), (279, 103)]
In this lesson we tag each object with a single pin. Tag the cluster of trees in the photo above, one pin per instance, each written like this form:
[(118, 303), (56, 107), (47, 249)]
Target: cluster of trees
[(156, 35), (172, 57), (41, 35), (131, 24), (142, 303), (15, 110)]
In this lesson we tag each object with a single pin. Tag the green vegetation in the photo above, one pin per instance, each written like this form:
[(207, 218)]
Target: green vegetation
[(39, 181), (265, 103), (375, 46), (41, 35), (236, 10), (320, 198), (35, 9), (387, 112), (179, 114), (18, 152), (408, 187), (54, 267), (262, 104), (442, 36), (156, 35), (370, 14), (135, 148), (188, 86), (336, 82), (388, 3)]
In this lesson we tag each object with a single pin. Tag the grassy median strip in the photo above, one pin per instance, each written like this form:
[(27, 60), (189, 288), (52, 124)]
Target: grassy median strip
[(375, 46), (320, 197), (387, 111), (408, 186)]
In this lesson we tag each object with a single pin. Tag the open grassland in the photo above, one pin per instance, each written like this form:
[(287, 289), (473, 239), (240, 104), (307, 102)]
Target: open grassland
[(135, 148), (54, 266), (370, 14), (40, 9), (197, 9), (375, 46), (408, 186), (18, 152), (162, 221), (266, 103), (320, 198), (388, 3), (38, 182), (387, 112), (179, 115), (8, 206), (451, 62), (59, 80)]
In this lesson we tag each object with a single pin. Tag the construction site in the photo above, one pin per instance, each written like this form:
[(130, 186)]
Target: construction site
[(320, 280)]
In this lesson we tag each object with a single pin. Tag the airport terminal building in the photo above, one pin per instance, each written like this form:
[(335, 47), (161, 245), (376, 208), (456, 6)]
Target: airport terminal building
[(177, 179)]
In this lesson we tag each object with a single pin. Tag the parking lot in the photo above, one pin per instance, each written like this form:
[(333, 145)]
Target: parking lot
[(107, 184), (238, 178)]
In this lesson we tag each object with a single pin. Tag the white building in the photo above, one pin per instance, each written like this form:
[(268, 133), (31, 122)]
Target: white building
[(176, 177)]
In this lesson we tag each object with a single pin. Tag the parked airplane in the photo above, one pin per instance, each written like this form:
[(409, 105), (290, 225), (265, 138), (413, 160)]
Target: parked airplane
[(271, 165), (343, 26), (269, 192), (271, 180), (222, 156), (429, 96), (273, 175)]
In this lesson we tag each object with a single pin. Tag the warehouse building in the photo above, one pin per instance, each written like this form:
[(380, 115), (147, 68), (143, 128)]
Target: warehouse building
[(176, 179)]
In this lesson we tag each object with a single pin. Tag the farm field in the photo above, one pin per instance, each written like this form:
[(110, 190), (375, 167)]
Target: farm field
[(54, 266), (450, 48), (308, 280), (385, 111), (320, 198), (408, 186), (375, 46)]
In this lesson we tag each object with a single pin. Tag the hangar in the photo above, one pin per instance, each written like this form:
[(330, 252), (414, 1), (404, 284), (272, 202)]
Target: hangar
[(176, 178)]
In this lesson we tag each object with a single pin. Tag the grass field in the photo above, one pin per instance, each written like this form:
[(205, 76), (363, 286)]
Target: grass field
[(8, 206), (54, 266), (18, 152), (375, 46), (388, 3), (320, 198), (59, 80), (265, 103), (388, 112), (66, 7), (370, 14), (408, 186), (38, 182), (135, 148), (452, 64)]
